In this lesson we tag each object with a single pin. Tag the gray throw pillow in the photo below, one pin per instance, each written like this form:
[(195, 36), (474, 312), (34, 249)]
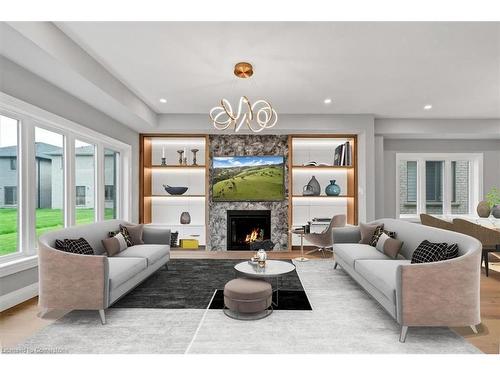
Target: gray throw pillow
[(367, 231), (135, 233), (389, 246), (111, 246)]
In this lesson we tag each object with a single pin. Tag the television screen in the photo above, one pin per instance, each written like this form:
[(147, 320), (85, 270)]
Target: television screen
[(248, 178)]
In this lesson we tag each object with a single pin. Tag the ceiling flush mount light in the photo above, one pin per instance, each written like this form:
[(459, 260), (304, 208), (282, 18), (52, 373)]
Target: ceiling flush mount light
[(428, 107), (327, 101), (257, 116), (163, 100)]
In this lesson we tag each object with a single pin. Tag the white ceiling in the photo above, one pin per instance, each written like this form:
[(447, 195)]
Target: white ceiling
[(385, 69)]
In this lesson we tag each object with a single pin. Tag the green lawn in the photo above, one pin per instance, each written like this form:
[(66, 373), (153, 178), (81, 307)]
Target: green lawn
[(46, 220)]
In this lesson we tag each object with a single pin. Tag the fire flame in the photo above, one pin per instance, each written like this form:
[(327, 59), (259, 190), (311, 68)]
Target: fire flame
[(253, 236)]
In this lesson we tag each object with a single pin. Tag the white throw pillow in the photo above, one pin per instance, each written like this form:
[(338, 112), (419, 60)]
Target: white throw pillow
[(381, 241), (121, 241)]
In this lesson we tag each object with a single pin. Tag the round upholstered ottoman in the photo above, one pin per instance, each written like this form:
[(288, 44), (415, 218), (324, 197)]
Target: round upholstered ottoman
[(248, 299)]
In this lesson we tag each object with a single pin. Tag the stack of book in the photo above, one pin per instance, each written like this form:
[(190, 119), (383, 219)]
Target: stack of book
[(342, 155)]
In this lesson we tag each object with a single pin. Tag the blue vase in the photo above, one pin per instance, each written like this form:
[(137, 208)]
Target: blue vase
[(333, 189)]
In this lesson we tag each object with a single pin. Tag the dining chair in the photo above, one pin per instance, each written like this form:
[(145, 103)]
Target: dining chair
[(432, 221), (490, 238), (324, 240)]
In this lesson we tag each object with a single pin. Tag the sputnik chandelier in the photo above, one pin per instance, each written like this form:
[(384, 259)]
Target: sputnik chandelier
[(257, 116)]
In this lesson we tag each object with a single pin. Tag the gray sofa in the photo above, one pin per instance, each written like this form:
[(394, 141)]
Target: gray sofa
[(94, 282), (444, 293)]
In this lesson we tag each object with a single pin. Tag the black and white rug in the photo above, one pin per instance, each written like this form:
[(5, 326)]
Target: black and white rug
[(192, 283)]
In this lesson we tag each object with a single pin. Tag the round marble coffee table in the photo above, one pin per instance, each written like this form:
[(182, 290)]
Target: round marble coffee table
[(274, 269)]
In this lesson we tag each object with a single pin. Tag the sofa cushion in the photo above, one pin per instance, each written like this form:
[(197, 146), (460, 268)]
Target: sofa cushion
[(350, 252), (123, 269), (150, 252), (381, 274), (367, 231)]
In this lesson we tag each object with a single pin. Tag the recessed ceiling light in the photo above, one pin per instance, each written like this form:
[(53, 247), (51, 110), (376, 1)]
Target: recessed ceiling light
[(163, 100), (327, 101), (428, 107)]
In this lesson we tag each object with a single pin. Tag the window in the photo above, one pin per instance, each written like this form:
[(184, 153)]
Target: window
[(110, 183), (80, 195), (10, 198), (49, 155), (85, 175), (9, 237), (438, 184), (57, 180)]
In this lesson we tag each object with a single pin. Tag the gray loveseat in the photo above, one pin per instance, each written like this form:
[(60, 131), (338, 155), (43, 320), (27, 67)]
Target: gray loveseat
[(444, 293), (94, 282)]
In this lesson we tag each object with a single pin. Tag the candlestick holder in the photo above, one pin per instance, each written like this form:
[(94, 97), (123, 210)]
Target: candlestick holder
[(194, 151), (180, 152), (163, 162)]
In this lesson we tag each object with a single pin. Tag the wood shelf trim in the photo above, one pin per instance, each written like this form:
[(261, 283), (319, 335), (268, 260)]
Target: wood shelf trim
[(322, 196), (177, 166), (178, 196), (323, 167)]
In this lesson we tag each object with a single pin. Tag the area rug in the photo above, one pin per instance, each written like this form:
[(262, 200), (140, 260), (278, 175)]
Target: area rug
[(191, 284), (344, 319), (287, 300)]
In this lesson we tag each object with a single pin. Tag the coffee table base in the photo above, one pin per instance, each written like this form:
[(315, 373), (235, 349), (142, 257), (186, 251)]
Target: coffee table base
[(247, 316)]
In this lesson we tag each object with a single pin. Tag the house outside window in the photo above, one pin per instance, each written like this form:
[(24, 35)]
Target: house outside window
[(13, 164)]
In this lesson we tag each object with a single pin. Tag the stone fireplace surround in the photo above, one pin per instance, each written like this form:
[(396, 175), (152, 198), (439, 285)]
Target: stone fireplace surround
[(231, 145)]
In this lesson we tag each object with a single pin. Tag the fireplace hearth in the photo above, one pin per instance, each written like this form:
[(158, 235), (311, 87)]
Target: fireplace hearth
[(249, 229)]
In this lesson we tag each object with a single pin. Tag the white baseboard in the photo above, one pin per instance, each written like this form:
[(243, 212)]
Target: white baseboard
[(18, 296)]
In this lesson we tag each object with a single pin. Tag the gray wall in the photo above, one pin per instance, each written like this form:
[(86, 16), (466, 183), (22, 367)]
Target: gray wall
[(26, 86), (490, 149)]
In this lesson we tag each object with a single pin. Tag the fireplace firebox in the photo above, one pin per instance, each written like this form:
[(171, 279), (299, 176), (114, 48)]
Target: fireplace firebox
[(247, 228)]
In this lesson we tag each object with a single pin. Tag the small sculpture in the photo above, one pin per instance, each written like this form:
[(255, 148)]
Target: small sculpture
[(194, 151), (180, 152)]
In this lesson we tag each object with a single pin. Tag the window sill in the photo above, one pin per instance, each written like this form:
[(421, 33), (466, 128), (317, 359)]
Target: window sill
[(18, 265)]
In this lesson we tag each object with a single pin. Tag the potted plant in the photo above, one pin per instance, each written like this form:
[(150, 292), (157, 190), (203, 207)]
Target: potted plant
[(493, 199)]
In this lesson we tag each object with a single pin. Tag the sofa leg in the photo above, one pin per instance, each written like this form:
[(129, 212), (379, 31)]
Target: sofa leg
[(404, 332), (335, 265), (103, 317), (474, 329), (166, 266)]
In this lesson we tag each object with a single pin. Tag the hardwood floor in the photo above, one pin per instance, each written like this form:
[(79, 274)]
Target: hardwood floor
[(20, 322)]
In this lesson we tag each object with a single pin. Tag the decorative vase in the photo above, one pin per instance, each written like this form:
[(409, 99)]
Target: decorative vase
[(483, 209), (495, 211), (333, 189), (261, 258), (185, 218), (313, 186)]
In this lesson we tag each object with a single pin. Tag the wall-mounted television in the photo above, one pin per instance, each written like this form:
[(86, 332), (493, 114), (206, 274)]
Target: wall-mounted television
[(248, 178)]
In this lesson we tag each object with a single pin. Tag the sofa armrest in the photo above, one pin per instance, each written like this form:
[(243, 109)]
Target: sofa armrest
[(156, 235), (443, 293), (348, 234), (72, 281)]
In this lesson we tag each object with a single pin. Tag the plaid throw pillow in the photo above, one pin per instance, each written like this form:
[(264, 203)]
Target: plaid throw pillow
[(126, 235), (173, 239), (451, 251), (428, 252), (60, 245), (378, 232), (78, 246)]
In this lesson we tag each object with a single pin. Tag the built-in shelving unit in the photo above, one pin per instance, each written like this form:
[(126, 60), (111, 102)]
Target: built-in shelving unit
[(159, 207), (320, 148)]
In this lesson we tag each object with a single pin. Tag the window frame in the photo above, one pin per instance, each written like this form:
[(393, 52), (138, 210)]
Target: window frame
[(29, 117), (475, 181)]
